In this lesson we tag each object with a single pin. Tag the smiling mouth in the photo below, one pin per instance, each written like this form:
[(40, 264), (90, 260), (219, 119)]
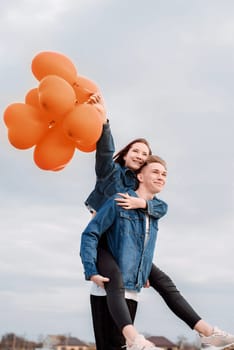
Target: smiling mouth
[(138, 162)]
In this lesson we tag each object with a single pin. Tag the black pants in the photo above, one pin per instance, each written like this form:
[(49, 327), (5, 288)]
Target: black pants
[(114, 304), (107, 334)]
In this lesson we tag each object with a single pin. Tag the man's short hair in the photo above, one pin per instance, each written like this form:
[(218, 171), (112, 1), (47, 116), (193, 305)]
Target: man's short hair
[(154, 159)]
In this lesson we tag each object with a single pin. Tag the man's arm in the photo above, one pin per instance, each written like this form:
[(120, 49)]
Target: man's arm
[(91, 235), (156, 208)]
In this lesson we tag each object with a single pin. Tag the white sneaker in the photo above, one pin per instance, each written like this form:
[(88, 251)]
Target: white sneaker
[(140, 343), (218, 340)]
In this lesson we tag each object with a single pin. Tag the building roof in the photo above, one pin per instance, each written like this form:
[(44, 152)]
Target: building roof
[(71, 341), (161, 342)]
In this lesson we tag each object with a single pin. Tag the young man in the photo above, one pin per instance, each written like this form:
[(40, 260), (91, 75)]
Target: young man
[(130, 237)]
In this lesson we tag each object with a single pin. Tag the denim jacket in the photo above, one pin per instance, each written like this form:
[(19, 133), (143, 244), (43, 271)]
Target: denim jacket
[(125, 233), (111, 177)]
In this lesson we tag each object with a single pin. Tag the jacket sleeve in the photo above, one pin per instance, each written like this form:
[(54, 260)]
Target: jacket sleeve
[(156, 208), (104, 153), (91, 235)]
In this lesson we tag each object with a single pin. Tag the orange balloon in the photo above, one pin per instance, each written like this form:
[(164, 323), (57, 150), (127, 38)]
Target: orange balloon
[(25, 127), (49, 62), (56, 95), (59, 168), (84, 88), (32, 98), (84, 147), (83, 124), (54, 151)]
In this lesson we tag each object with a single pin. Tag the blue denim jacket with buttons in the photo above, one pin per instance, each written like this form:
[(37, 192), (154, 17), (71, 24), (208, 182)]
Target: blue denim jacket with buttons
[(125, 232), (112, 178)]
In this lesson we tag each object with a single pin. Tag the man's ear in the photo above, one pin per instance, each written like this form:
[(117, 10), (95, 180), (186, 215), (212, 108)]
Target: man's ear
[(139, 177)]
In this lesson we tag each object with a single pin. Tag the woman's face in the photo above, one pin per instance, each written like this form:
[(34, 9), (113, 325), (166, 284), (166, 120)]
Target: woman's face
[(136, 156)]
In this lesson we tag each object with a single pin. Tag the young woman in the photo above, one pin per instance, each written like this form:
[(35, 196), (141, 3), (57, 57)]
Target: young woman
[(116, 175)]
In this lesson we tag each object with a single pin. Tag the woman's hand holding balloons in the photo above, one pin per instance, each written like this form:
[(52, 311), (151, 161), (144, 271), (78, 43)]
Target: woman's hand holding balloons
[(98, 102)]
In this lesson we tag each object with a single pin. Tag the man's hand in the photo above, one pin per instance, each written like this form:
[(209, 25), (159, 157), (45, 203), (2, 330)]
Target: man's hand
[(129, 202), (147, 284), (99, 280)]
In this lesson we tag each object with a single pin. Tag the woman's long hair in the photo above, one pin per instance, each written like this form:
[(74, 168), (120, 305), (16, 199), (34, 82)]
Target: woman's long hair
[(119, 157)]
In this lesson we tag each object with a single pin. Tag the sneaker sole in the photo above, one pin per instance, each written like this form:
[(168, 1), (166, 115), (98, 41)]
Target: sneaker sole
[(213, 347)]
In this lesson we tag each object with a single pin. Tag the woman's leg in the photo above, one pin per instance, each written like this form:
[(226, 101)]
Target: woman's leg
[(116, 302), (171, 295)]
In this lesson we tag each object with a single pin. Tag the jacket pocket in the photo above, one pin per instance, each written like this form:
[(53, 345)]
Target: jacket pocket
[(131, 223)]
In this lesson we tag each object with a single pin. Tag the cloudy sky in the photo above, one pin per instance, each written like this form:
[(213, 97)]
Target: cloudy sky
[(166, 71)]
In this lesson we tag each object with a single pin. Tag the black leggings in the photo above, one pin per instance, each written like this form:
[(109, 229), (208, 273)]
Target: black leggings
[(162, 283), (172, 297), (115, 292)]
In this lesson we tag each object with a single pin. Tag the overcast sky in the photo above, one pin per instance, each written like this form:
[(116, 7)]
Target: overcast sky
[(166, 71)]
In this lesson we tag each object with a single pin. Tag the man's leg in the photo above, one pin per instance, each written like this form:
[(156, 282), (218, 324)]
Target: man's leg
[(107, 334)]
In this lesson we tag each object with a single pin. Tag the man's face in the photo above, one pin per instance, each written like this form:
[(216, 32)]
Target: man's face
[(153, 177)]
